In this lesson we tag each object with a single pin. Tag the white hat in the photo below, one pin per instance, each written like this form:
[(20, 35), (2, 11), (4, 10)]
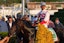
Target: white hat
[(43, 3)]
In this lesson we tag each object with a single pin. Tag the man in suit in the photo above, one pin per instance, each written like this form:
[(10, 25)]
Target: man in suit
[(10, 24), (59, 28)]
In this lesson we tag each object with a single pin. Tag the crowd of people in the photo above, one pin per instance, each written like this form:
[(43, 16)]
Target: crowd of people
[(29, 30)]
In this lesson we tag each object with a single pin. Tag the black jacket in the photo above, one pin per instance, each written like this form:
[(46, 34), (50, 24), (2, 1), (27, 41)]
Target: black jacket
[(9, 26)]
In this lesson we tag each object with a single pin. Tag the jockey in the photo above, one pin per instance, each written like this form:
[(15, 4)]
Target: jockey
[(43, 15), (43, 35)]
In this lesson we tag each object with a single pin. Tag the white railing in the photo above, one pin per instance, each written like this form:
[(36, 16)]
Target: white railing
[(9, 11), (35, 12)]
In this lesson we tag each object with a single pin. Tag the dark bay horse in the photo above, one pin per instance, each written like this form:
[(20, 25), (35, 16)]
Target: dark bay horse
[(21, 31)]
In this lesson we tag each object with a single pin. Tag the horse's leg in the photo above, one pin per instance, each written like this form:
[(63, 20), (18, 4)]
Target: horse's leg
[(21, 41), (32, 40)]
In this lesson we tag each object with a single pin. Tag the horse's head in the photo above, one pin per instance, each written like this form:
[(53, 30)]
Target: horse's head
[(20, 23)]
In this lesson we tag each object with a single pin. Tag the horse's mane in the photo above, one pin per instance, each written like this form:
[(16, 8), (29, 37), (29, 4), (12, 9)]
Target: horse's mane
[(19, 26)]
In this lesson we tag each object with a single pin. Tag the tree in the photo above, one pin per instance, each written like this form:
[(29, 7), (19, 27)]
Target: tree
[(7, 2), (46, 0)]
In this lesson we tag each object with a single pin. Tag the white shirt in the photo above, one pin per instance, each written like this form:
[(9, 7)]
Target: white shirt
[(10, 24)]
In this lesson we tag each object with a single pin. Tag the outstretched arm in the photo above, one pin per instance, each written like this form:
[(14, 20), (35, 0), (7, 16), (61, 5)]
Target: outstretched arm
[(5, 40)]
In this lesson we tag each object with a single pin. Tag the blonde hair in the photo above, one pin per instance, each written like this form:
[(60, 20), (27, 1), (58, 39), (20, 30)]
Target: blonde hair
[(0, 17)]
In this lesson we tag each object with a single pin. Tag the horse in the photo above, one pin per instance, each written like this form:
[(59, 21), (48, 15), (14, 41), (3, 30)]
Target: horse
[(21, 30)]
